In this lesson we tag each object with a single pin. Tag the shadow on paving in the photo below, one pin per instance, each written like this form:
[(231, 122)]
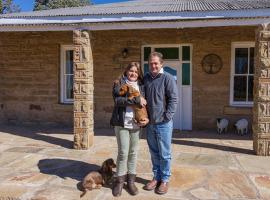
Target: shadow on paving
[(141, 180), (37, 133), (214, 146), (65, 168), (205, 134), (180, 136), (42, 133), (211, 134), (104, 132)]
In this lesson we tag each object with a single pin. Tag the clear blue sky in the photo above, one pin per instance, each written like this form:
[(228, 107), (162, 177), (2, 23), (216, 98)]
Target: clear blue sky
[(27, 5)]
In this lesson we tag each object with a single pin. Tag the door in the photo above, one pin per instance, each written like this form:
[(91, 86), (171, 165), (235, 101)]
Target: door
[(172, 67), (177, 62)]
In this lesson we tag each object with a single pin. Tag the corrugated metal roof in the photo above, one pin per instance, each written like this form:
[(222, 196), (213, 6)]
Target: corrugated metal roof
[(148, 6)]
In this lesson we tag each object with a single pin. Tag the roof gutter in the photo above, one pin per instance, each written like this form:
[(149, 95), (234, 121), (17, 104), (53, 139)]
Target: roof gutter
[(136, 25)]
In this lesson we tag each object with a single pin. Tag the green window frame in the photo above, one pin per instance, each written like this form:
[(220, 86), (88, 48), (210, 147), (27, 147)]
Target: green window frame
[(181, 53)]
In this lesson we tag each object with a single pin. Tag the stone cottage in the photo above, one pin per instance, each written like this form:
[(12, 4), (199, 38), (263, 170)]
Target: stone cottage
[(57, 66)]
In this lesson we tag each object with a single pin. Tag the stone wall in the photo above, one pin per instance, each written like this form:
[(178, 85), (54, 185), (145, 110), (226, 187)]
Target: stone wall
[(29, 89), (30, 66), (210, 91)]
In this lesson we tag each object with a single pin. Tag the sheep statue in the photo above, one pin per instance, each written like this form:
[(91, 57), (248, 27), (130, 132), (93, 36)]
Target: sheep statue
[(222, 125), (241, 126)]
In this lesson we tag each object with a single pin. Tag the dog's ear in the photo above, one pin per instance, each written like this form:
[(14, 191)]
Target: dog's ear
[(104, 167), (126, 88), (123, 89), (111, 163)]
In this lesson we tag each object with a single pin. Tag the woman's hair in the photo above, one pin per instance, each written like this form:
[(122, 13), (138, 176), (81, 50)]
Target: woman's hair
[(138, 66), (156, 54)]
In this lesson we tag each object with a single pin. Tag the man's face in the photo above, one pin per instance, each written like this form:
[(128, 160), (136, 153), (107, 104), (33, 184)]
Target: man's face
[(155, 65)]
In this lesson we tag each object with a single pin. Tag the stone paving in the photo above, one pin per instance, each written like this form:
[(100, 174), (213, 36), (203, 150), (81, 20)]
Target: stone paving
[(38, 163)]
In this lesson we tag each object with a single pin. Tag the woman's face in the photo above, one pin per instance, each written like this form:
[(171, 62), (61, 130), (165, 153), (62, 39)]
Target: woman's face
[(132, 74)]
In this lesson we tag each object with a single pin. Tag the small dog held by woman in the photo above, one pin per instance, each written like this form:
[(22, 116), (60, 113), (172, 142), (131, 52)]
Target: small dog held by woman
[(141, 115), (96, 179)]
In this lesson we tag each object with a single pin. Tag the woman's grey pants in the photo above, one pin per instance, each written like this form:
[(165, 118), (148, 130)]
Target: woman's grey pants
[(128, 142)]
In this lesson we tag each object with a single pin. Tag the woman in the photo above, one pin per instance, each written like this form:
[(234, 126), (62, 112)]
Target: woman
[(126, 130)]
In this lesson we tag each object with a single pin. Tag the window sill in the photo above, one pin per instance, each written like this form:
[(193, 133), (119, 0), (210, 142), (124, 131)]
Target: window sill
[(241, 105), (63, 107), (238, 110), (66, 103)]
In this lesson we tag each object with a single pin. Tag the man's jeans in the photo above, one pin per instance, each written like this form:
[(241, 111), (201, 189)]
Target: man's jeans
[(159, 137)]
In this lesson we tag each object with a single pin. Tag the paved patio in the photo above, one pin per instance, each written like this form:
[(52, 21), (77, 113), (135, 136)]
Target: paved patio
[(38, 163)]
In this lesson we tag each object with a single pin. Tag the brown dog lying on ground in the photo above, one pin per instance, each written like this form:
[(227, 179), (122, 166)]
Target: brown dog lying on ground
[(95, 179), (141, 115)]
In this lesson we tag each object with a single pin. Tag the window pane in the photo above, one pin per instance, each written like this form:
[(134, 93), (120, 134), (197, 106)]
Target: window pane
[(146, 53), (241, 60), (186, 74), (69, 86), (251, 60), (250, 88), (69, 62), (169, 53), (171, 71), (186, 53), (146, 68), (240, 88)]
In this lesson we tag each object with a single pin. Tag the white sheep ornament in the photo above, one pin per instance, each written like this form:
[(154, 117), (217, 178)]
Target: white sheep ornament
[(222, 125), (241, 126)]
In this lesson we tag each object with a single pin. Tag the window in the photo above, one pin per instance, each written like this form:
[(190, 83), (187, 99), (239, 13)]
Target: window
[(242, 74), (67, 74), (178, 53), (186, 61), (169, 53)]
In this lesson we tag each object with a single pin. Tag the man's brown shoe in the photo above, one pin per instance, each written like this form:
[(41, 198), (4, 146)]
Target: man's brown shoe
[(151, 185), (162, 188)]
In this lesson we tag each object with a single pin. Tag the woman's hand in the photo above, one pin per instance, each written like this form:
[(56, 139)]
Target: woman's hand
[(143, 102), (143, 123)]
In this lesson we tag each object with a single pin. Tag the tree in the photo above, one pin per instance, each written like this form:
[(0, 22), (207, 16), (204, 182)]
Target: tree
[(8, 6), (40, 4), (1, 7), (51, 4)]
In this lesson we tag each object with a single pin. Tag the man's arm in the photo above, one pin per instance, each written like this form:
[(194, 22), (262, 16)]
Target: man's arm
[(171, 97)]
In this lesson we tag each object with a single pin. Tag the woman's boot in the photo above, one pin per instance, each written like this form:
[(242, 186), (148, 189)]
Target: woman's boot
[(133, 190), (118, 185)]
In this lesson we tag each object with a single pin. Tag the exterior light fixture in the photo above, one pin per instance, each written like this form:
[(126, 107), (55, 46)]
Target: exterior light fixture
[(125, 53)]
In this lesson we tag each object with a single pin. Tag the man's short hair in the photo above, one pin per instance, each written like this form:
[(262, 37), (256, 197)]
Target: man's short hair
[(156, 54)]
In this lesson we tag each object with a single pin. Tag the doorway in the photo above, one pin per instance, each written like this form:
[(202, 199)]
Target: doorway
[(177, 62)]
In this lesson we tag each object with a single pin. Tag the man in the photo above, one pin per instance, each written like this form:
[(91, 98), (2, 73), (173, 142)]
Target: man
[(162, 97)]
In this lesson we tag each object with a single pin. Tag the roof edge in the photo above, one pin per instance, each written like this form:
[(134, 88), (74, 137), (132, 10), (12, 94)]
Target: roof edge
[(139, 17), (137, 25)]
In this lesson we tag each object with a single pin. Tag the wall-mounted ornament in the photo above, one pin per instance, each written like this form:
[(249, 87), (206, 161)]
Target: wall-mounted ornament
[(211, 63)]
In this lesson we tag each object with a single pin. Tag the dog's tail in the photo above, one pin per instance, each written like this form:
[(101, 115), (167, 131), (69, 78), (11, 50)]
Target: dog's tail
[(83, 193)]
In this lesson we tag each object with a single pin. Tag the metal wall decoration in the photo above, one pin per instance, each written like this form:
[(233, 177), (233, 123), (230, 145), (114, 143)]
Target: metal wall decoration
[(211, 63)]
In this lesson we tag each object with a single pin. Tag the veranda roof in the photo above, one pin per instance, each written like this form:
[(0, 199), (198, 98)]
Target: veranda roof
[(144, 14)]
